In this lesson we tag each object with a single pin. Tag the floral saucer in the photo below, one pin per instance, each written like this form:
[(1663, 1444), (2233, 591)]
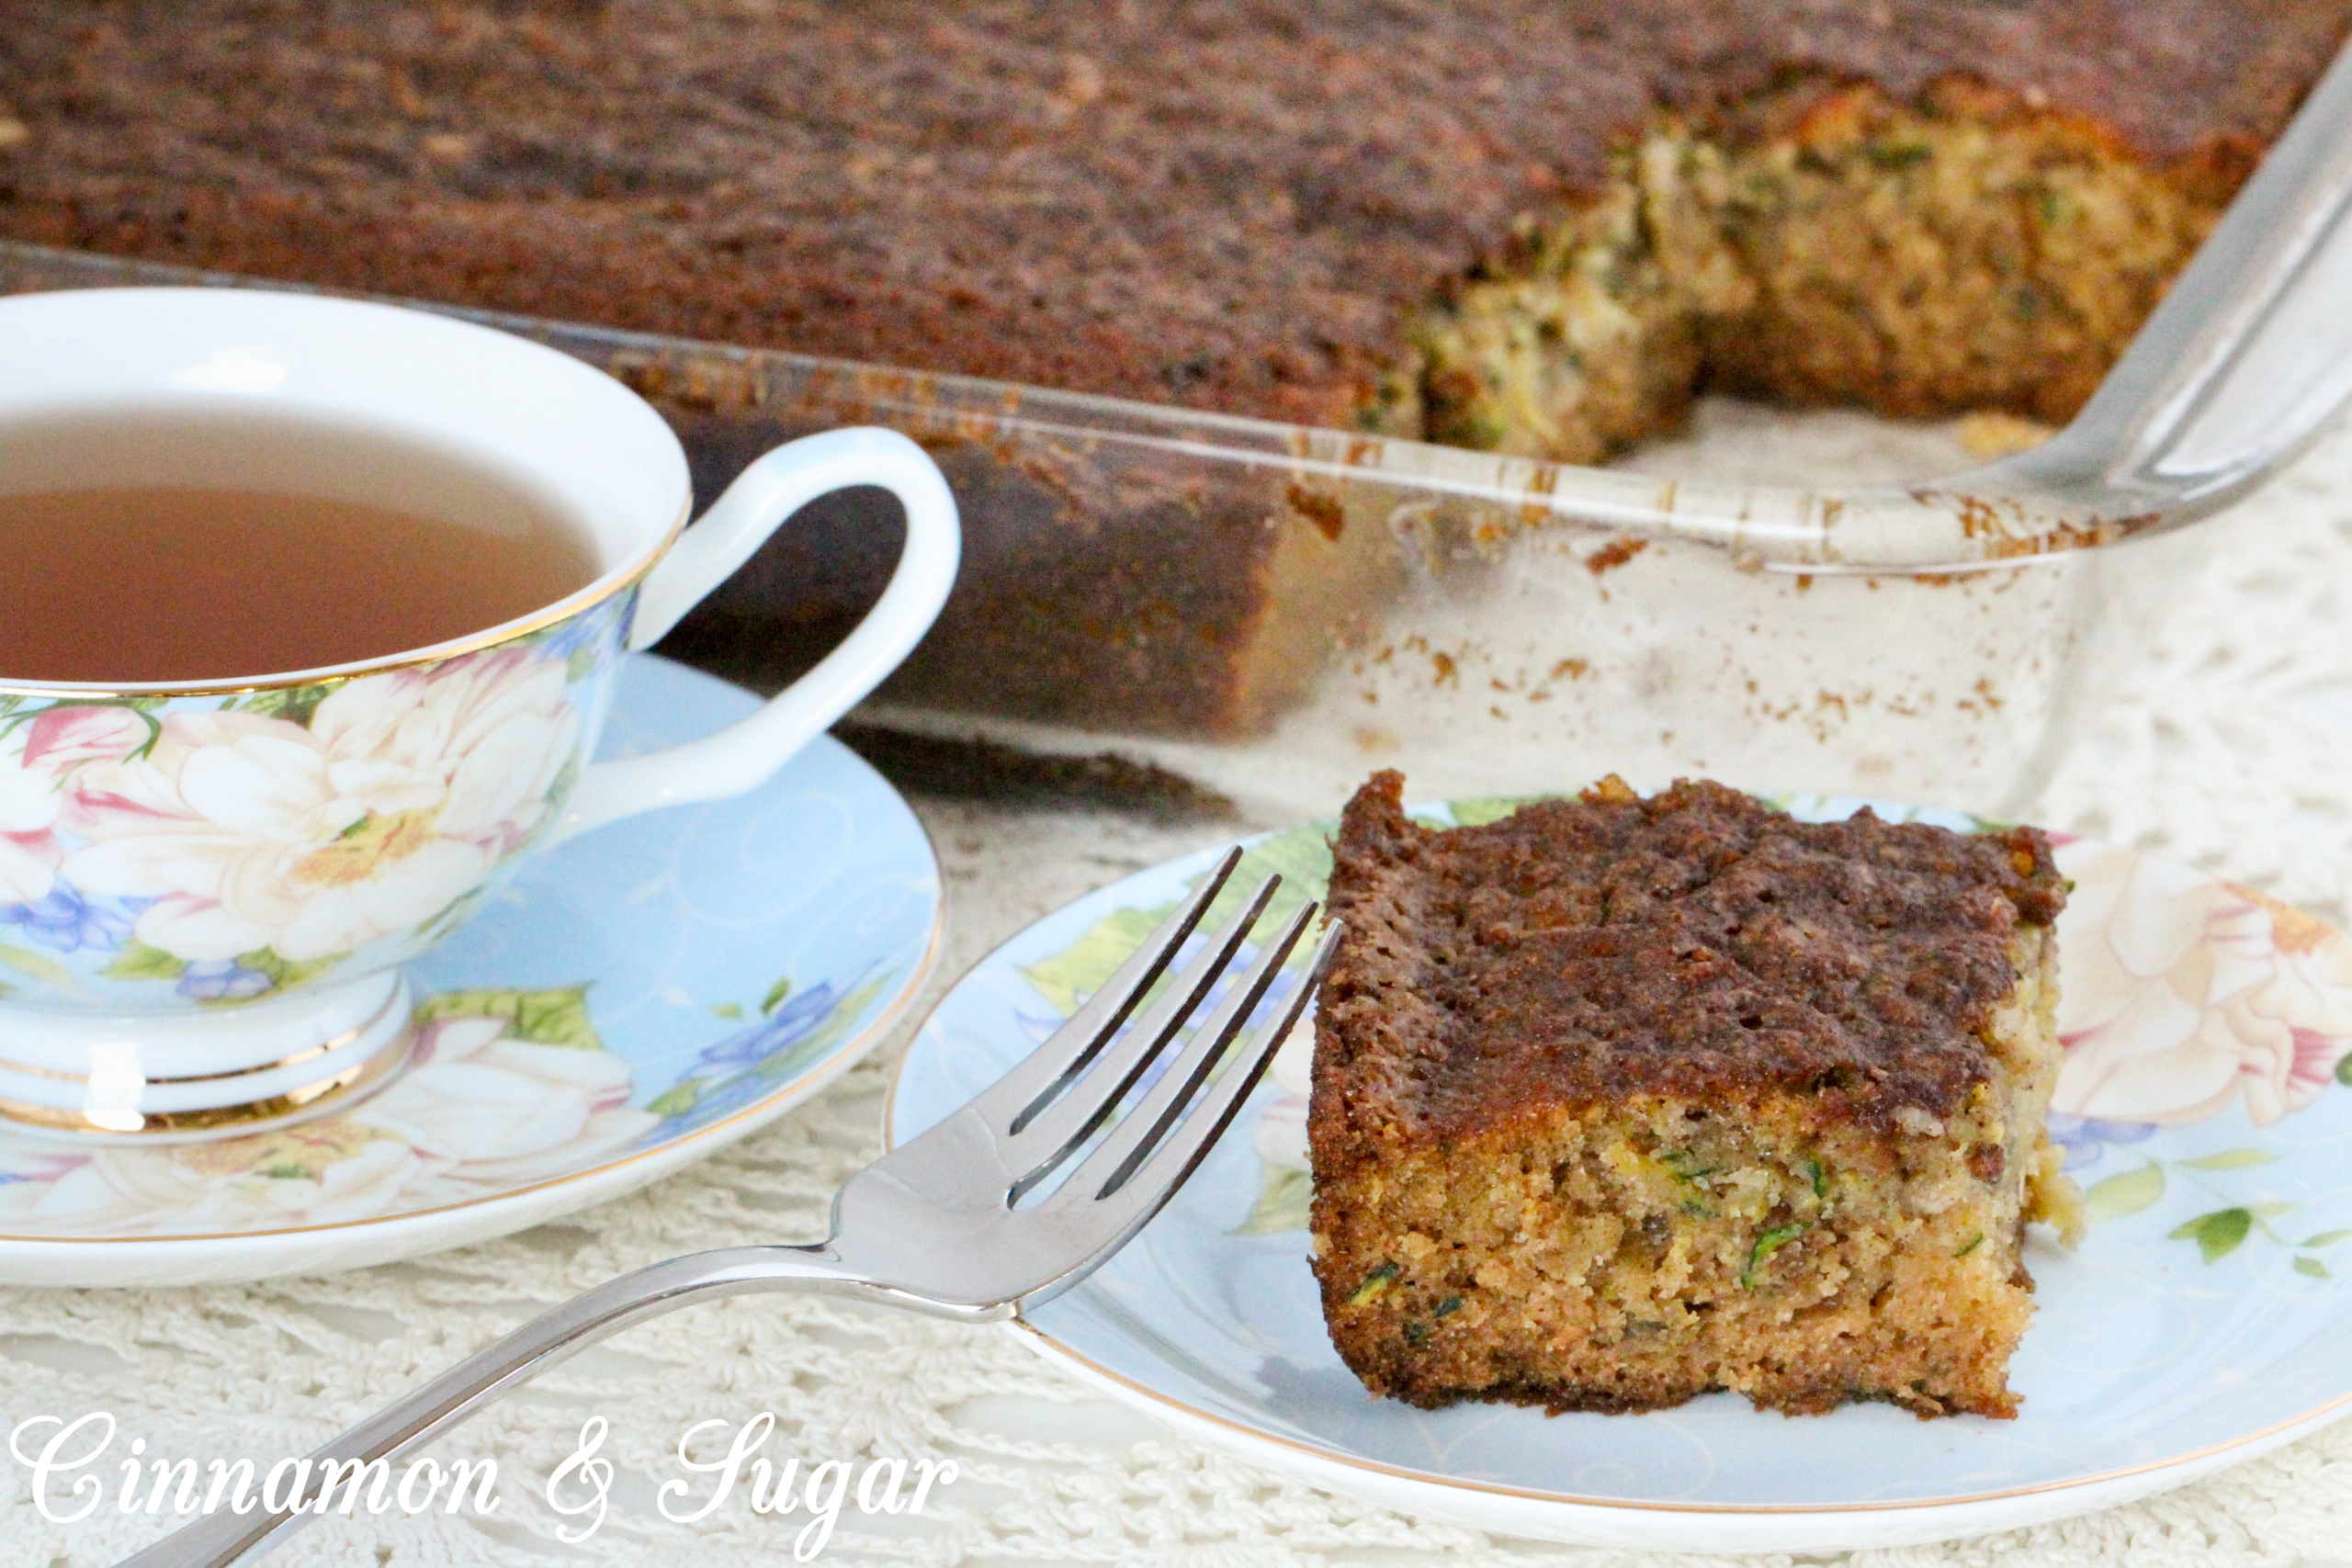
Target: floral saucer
[(637, 1000), (2208, 1031)]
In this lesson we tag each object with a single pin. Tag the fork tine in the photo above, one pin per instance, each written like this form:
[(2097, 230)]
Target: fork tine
[(1114, 1220), (1042, 1140), (1159, 1111), (1171, 1162), (1033, 1082)]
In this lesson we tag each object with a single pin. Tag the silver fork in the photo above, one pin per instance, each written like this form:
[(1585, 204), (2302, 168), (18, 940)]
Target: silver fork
[(938, 1226)]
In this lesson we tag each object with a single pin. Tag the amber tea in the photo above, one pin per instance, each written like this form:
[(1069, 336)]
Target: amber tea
[(145, 583)]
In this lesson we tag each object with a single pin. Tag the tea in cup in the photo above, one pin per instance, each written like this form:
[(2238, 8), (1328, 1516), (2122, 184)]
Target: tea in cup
[(310, 617)]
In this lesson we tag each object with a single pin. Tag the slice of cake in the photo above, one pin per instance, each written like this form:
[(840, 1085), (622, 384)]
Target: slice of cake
[(1620, 1101)]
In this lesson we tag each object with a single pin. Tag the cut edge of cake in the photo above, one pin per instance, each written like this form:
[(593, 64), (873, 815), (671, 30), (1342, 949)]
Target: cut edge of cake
[(1634, 1252)]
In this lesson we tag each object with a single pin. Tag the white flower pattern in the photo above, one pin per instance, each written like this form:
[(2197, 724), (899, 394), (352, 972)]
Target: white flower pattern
[(401, 795), (2183, 995), (481, 1112)]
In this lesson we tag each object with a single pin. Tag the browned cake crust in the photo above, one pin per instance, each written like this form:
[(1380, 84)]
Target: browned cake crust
[(1618, 1101), (1537, 226), (1696, 944), (1238, 207)]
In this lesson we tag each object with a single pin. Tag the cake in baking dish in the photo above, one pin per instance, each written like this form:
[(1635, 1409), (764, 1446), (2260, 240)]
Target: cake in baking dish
[(1533, 227), (1528, 225), (1618, 1101)]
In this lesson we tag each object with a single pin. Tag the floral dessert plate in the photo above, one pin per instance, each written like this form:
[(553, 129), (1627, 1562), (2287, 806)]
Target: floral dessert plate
[(2200, 1323), (637, 999)]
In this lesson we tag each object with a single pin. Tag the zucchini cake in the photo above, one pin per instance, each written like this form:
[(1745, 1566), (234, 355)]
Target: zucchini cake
[(1533, 227), (1530, 225), (1620, 1101)]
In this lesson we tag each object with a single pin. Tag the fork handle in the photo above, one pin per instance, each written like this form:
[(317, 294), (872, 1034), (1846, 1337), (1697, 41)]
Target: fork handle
[(220, 1539)]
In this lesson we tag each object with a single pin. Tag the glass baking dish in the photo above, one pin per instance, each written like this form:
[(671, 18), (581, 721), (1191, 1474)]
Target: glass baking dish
[(1273, 612)]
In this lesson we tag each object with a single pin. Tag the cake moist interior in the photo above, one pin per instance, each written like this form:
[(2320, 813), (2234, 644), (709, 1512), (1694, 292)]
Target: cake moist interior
[(1620, 1101)]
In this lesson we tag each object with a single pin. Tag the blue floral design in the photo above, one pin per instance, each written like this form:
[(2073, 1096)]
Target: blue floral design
[(790, 1023), (591, 629), (745, 1088), (63, 920), (2084, 1138), (222, 980), (742, 1068)]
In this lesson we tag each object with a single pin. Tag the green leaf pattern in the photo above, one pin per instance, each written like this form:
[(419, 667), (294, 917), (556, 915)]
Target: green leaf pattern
[(555, 1017), (1078, 971), (1283, 1199), (137, 961), (38, 967), (2231, 1159), (2217, 1234), (295, 705), (2126, 1194)]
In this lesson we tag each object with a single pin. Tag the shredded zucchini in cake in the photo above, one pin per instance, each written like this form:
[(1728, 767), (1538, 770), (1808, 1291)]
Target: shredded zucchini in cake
[(1964, 252)]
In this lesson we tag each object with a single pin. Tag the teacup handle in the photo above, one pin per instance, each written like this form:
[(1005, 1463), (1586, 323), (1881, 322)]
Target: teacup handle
[(748, 752)]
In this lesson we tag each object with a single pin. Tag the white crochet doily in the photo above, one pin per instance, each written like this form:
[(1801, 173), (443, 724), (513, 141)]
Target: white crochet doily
[(2231, 750)]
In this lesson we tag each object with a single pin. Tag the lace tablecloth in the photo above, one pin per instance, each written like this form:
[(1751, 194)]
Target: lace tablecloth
[(2233, 751)]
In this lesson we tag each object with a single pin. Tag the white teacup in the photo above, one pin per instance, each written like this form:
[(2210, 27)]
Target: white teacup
[(207, 887)]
